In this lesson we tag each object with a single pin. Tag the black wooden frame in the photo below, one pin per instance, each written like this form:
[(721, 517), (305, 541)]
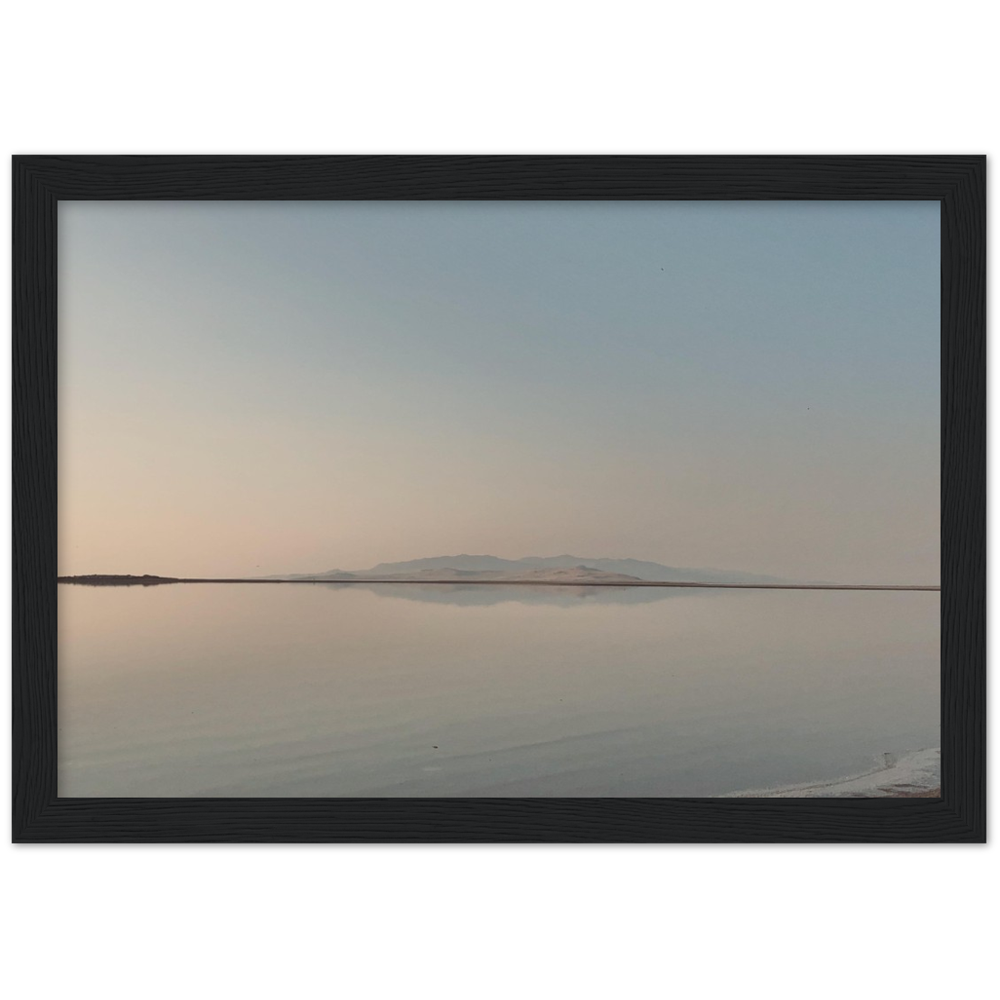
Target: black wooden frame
[(958, 182)]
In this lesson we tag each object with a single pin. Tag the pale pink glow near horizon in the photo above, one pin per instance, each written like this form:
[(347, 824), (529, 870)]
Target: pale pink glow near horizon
[(255, 389)]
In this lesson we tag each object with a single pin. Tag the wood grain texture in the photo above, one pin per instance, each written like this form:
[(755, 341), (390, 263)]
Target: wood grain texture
[(958, 182)]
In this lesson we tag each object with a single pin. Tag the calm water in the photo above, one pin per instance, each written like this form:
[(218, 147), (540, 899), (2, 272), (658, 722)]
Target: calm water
[(320, 690)]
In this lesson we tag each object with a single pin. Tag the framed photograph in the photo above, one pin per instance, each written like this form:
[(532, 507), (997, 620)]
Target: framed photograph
[(499, 498)]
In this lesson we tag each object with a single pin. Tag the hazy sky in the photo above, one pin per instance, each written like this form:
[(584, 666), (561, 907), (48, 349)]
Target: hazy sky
[(251, 388)]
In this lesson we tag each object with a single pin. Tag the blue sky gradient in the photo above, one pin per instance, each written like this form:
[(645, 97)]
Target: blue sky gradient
[(269, 387)]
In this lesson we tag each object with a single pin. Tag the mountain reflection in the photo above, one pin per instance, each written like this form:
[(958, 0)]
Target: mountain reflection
[(479, 595)]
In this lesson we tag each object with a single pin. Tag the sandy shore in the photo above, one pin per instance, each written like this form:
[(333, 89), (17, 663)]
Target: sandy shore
[(912, 775)]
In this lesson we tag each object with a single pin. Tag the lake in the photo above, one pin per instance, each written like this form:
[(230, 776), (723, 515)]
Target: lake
[(397, 690)]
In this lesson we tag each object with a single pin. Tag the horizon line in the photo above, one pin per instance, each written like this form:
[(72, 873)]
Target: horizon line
[(138, 580)]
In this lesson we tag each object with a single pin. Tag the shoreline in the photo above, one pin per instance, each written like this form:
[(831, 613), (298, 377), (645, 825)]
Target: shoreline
[(912, 775), (151, 581)]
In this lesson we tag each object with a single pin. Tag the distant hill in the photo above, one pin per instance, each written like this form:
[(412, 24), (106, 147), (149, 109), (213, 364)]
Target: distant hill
[(570, 575), (117, 580), (473, 564), (564, 567), (330, 574)]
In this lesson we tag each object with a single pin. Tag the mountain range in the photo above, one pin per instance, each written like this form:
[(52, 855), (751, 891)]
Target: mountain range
[(565, 568)]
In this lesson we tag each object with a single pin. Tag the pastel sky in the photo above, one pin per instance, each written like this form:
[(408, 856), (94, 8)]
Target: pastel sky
[(266, 387)]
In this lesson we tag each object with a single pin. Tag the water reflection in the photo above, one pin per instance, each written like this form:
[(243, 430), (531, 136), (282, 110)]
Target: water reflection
[(482, 595), (445, 690)]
